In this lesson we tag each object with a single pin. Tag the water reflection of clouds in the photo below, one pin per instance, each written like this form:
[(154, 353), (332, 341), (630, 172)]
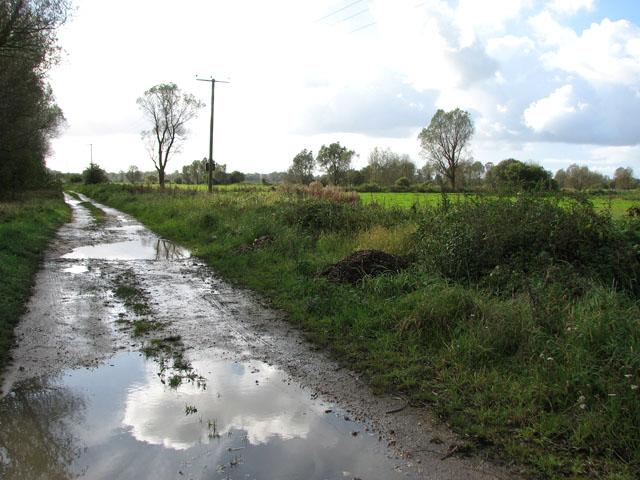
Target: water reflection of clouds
[(144, 248), (233, 399)]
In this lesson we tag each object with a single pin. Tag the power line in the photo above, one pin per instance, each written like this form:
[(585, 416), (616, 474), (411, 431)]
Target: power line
[(351, 16), (339, 10), (363, 27)]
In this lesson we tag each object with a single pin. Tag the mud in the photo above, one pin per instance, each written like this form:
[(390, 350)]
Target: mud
[(74, 321)]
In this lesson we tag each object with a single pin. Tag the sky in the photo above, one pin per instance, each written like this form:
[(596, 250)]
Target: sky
[(553, 82)]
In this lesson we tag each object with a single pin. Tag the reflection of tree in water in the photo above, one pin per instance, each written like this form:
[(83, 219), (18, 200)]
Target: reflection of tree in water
[(166, 250), (35, 432)]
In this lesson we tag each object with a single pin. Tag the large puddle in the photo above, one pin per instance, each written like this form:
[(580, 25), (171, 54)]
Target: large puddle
[(123, 420), (143, 248)]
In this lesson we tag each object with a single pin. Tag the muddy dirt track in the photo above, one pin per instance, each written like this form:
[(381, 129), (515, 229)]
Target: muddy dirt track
[(75, 321)]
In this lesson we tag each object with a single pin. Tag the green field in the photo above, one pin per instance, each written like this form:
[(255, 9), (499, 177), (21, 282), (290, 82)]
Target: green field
[(617, 204), (518, 323)]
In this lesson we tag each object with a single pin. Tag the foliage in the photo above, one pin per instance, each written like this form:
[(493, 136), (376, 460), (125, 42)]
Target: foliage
[(576, 177), (403, 182), (517, 175), (385, 167), (94, 174), (623, 179), (499, 239), (29, 116), (134, 175), (301, 171), (335, 161), (236, 177), (168, 109), (150, 179), (445, 141)]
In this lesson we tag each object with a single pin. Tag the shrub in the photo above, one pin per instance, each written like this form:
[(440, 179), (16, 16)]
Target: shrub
[(93, 174), (403, 182), (369, 188), (496, 239)]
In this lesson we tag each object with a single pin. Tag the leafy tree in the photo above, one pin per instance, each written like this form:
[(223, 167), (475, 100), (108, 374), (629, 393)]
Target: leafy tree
[(74, 178), (168, 109), (197, 171), (151, 179), (516, 174), (302, 169), (578, 178), (385, 167), (471, 173), (403, 182), (236, 177), (445, 141), (220, 175), (133, 174), (335, 161), (94, 174), (623, 178), (29, 117)]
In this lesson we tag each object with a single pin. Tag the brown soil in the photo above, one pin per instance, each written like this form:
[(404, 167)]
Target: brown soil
[(361, 263)]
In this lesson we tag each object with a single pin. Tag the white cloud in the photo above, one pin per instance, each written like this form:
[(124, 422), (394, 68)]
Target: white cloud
[(608, 52), (507, 47), (544, 115), (610, 158), (571, 7), (487, 16), (549, 32)]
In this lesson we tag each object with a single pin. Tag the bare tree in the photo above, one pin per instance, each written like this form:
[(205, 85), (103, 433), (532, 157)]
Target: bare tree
[(168, 109), (445, 141)]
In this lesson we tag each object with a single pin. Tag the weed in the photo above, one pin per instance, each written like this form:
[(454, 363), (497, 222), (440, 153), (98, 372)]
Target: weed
[(175, 381), (518, 322)]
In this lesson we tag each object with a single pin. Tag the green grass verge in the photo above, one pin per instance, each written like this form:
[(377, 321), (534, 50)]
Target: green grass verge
[(26, 227), (519, 322)]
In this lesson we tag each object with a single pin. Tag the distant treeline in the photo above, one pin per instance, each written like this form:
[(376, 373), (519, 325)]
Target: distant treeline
[(388, 171)]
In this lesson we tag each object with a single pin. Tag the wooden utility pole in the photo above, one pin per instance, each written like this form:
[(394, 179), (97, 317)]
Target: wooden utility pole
[(210, 162)]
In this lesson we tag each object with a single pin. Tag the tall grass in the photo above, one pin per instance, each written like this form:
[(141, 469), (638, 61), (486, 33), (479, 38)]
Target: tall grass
[(518, 322), (26, 227)]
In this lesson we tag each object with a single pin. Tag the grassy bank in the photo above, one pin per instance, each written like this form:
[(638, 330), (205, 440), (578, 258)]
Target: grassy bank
[(518, 322), (26, 226)]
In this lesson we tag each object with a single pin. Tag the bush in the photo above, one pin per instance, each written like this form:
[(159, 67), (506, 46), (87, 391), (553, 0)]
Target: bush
[(497, 239), (369, 188), (75, 178), (93, 174), (403, 182)]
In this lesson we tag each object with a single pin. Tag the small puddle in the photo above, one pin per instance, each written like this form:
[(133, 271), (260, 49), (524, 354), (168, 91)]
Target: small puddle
[(143, 248), (75, 269), (120, 421)]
